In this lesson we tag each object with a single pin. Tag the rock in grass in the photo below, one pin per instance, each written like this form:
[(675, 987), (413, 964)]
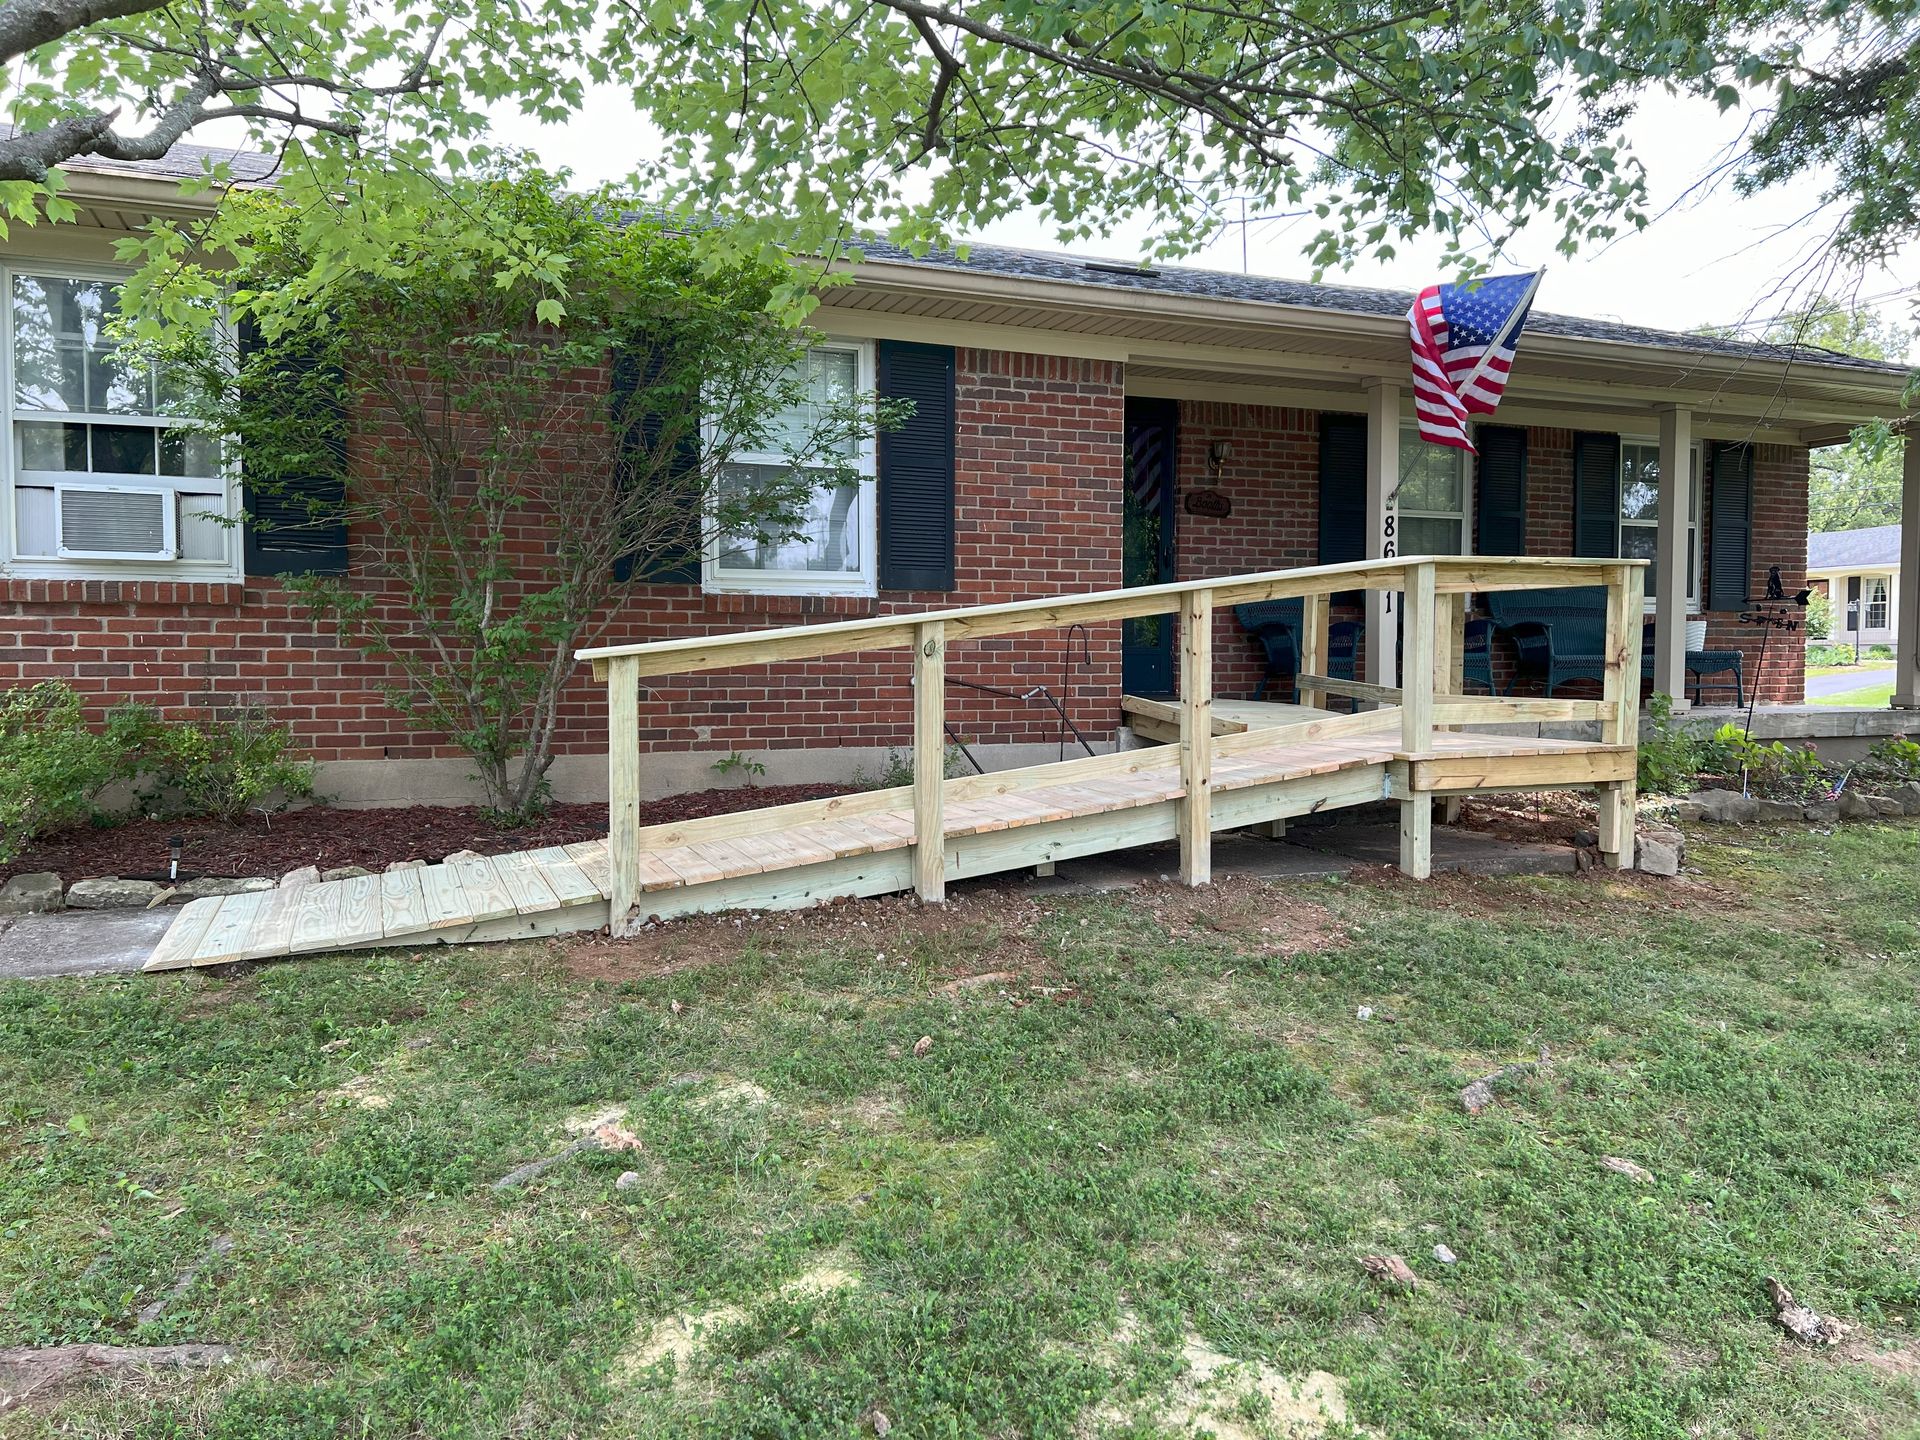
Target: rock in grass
[(1660, 850), (1390, 1269), (32, 894), (1445, 1256), (208, 885), (1720, 807), (1803, 1323), (1480, 1094), (1626, 1168), (110, 892), (629, 1180)]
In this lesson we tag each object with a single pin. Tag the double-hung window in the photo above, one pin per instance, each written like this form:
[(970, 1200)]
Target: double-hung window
[(1640, 513), (830, 550), (1433, 500), (101, 479), (1873, 601)]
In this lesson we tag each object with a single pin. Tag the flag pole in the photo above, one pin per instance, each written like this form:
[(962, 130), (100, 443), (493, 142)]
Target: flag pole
[(1519, 310)]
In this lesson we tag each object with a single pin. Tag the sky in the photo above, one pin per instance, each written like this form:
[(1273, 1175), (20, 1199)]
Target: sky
[(1710, 258)]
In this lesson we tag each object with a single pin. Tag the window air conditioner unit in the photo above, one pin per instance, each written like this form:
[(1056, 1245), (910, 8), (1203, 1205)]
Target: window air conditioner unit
[(115, 522)]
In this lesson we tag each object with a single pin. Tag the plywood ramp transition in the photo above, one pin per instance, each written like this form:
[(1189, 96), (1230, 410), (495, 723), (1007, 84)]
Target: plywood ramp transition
[(818, 851)]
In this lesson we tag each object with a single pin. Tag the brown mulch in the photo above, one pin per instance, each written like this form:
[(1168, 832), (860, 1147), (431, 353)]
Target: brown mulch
[(326, 837)]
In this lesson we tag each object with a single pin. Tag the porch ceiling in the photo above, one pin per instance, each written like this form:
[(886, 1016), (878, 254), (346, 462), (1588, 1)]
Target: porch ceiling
[(1295, 355)]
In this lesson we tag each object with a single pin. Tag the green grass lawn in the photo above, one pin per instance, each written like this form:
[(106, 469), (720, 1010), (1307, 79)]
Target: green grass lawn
[(1163, 1140), (1867, 697)]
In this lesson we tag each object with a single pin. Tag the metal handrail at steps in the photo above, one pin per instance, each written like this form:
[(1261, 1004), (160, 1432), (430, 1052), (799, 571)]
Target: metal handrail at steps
[(1433, 609)]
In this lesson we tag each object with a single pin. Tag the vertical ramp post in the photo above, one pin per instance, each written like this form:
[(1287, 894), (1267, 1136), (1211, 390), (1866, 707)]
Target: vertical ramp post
[(930, 761), (1416, 715), (1449, 669), (1313, 645), (623, 793), (1196, 737), (1620, 693)]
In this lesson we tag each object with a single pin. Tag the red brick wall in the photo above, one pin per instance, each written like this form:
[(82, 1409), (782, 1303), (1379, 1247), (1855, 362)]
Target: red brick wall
[(1780, 478), (1038, 489), (1039, 472), (1273, 481)]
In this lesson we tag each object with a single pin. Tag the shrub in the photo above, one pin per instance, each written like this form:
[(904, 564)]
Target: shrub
[(1671, 756), (1775, 769), (52, 767), (1894, 760), (1829, 655), (1819, 616), (232, 763)]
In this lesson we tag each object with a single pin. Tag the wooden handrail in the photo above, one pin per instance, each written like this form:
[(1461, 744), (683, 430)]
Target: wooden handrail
[(1431, 682), (1452, 575)]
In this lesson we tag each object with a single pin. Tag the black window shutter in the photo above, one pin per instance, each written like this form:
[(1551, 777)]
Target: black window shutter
[(1343, 488), (1596, 493), (676, 560), (916, 468), (296, 524), (1500, 489), (1730, 537)]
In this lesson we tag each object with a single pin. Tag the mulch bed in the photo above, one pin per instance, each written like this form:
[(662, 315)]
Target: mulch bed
[(326, 837)]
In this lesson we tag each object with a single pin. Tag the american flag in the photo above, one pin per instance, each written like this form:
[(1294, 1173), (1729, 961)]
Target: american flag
[(1463, 344)]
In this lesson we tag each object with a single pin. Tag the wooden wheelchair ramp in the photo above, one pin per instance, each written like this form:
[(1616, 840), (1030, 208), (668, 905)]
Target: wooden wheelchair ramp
[(766, 860), (1225, 767)]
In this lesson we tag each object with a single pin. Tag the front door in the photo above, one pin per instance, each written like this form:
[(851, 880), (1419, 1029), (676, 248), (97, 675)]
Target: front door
[(1152, 438)]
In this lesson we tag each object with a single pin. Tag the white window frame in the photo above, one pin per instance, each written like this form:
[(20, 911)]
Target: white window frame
[(1410, 436), (1867, 603), (1696, 521), (14, 477), (718, 580)]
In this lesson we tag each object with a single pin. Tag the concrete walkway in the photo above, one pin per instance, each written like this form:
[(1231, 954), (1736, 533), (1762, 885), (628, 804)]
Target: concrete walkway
[(1821, 686), (80, 942), (118, 942)]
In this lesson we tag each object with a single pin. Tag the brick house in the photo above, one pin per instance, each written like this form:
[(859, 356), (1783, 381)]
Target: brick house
[(1080, 426)]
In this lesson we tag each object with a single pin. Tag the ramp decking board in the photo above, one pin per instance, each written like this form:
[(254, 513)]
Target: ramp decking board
[(810, 859)]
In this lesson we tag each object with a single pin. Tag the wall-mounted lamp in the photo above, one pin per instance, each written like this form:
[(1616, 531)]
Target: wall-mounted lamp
[(1218, 453)]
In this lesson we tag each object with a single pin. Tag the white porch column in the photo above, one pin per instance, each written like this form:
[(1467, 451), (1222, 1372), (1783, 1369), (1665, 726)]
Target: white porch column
[(1383, 525), (1906, 674), (1670, 557)]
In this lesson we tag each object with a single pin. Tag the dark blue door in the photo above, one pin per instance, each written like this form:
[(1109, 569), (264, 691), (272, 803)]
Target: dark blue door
[(1152, 444)]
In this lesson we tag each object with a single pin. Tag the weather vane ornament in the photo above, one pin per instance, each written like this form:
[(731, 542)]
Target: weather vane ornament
[(1464, 337)]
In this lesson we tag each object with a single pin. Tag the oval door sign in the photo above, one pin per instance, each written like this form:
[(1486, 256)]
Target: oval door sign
[(1208, 502)]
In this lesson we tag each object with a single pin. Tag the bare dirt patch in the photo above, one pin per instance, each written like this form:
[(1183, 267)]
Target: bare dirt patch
[(681, 1337), (1223, 1397), (35, 1377), (983, 931), (1249, 910), (1551, 817), (1890, 1357)]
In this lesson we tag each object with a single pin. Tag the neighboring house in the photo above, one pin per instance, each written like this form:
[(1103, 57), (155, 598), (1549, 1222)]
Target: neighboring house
[(1859, 572), (1070, 413)]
